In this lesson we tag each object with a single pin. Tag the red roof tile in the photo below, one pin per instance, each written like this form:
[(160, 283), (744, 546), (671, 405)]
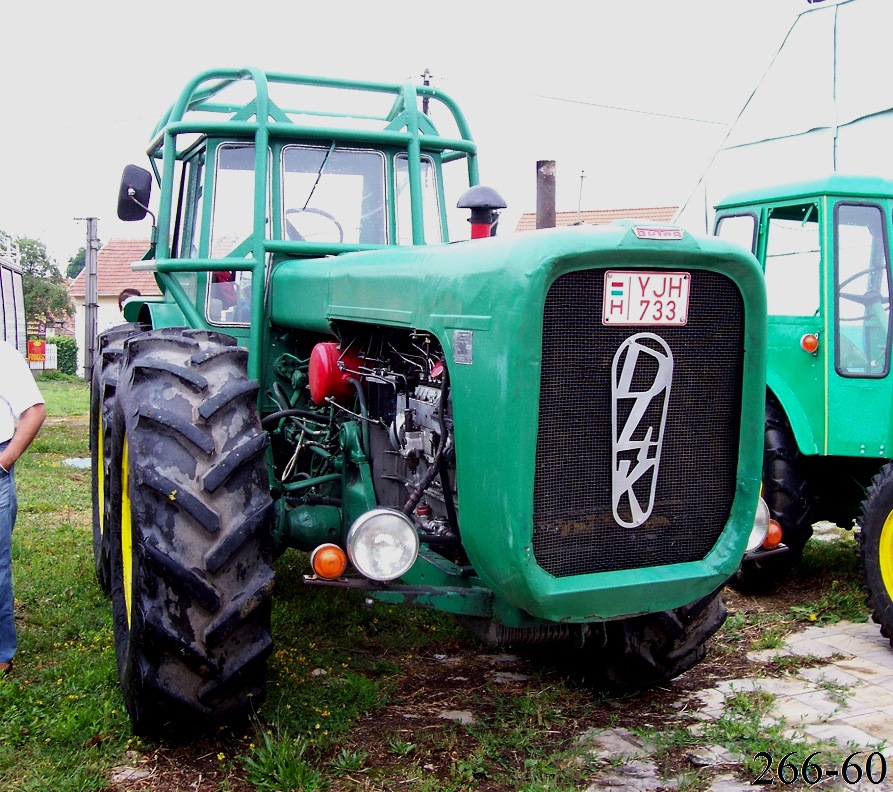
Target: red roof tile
[(113, 270), (657, 214)]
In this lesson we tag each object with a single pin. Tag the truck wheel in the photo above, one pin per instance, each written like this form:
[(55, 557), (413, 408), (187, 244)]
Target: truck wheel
[(191, 564), (644, 651), (876, 548), (787, 493), (106, 367)]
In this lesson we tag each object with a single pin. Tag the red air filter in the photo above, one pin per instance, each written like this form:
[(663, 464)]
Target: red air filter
[(326, 379)]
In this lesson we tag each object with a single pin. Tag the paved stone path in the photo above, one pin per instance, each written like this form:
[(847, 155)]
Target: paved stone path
[(848, 700)]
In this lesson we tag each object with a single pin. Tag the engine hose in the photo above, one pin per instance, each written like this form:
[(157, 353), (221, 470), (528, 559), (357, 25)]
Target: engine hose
[(435, 539), (364, 413), (280, 397), (279, 414), (416, 495)]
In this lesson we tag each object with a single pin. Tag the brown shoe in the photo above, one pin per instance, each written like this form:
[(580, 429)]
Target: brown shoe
[(5, 668)]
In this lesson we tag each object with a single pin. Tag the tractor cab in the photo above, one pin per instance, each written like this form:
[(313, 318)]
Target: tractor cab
[(825, 249)]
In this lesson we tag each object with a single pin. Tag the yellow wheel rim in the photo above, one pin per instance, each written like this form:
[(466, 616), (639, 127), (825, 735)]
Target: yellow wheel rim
[(126, 533), (100, 478), (885, 554)]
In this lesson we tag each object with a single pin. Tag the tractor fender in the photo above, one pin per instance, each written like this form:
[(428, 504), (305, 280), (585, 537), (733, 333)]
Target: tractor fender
[(156, 313), (793, 410)]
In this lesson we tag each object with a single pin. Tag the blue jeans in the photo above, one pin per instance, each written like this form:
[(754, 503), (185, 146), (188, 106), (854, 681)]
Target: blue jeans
[(8, 509)]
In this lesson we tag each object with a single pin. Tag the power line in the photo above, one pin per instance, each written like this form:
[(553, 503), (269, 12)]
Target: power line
[(631, 110)]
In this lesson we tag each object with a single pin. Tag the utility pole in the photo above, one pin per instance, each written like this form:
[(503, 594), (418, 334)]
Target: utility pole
[(580, 199), (426, 80), (91, 297)]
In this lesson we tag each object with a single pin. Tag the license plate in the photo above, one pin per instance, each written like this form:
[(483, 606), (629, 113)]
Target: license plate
[(646, 298)]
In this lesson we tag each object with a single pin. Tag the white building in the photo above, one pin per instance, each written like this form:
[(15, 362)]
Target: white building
[(113, 276)]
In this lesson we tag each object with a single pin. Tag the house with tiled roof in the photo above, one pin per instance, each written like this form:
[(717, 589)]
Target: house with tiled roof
[(113, 275), (654, 214)]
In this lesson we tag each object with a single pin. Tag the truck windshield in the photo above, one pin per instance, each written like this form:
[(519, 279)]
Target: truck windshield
[(333, 195)]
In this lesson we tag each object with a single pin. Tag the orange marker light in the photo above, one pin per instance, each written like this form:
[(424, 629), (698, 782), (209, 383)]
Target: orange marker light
[(773, 536), (328, 561), (810, 343)]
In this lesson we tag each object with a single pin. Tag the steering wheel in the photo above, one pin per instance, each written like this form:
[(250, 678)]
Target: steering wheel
[(297, 236), (869, 299)]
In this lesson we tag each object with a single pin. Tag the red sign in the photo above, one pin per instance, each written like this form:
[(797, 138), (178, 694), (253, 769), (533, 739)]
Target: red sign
[(37, 351)]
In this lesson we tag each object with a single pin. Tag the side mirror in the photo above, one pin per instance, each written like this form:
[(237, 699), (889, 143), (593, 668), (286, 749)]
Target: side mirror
[(134, 194)]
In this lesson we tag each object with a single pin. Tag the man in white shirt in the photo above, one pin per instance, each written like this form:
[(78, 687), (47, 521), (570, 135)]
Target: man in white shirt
[(20, 401)]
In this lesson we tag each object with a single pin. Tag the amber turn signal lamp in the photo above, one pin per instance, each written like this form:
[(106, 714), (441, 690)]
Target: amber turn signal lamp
[(810, 343), (328, 561), (773, 536)]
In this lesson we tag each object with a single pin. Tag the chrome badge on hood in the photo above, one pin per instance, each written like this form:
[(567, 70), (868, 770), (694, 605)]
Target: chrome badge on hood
[(641, 376)]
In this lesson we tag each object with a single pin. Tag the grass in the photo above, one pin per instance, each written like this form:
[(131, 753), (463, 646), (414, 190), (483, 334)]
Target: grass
[(65, 397), (61, 709), (354, 693), (746, 729)]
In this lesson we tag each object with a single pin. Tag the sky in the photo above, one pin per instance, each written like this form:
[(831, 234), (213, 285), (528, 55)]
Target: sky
[(630, 98)]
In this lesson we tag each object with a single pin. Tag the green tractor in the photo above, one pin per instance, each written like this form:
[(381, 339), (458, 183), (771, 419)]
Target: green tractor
[(553, 436), (825, 248)]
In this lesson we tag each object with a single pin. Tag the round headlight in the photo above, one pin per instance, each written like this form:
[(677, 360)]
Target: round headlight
[(382, 544), (760, 526)]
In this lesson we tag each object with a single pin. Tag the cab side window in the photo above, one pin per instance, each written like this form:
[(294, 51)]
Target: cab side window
[(740, 229), (232, 228), (793, 261), (862, 293)]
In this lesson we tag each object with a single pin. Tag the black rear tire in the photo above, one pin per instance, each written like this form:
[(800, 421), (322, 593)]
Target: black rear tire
[(787, 492), (106, 367), (875, 537), (192, 573)]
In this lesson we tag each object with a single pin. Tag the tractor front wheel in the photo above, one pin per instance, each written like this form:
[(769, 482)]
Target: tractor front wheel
[(643, 651), (876, 548), (191, 564), (636, 653), (786, 491)]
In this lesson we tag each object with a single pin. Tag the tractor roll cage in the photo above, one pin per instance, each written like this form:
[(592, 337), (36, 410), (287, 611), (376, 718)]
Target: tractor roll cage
[(202, 112)]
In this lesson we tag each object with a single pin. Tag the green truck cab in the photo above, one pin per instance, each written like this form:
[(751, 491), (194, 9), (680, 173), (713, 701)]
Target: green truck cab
[(825, 247), (553, 436)]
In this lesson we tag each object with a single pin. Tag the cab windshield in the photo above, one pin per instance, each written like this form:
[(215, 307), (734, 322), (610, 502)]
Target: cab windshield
[(333, 195)]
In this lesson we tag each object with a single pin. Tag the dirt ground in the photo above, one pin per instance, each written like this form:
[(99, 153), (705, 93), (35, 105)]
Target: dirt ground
[(447, 679)]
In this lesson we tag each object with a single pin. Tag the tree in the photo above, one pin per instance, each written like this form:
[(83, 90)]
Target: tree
[(76, 263), (45, 294)]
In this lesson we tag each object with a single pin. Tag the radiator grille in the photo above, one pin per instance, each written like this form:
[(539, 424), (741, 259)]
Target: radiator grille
[(574, 528)]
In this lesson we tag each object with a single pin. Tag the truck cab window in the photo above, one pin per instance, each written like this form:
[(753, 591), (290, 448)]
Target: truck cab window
[(189, 215), (232, 232), (430, 202), (740, 229), (332, 195), (793, 261), (862, 292)]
